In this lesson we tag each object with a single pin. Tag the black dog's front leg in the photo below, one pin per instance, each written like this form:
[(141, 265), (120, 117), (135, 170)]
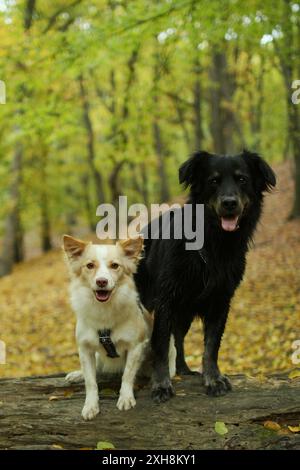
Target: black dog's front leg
[(214, 325), (181, 327), (162, 389)]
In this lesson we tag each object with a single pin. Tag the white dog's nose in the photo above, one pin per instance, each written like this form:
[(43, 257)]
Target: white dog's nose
[(101, 282)]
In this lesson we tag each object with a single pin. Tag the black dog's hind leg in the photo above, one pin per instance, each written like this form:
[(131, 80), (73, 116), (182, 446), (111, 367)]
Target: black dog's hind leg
[(162, 389), (181, 327), (214, 325)]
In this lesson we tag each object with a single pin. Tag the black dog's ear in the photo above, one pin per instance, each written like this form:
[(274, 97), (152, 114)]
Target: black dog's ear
[(264, 175), (189, 169)]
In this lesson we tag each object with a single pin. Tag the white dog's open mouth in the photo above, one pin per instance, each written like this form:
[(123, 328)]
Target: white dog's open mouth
[(102, 295)]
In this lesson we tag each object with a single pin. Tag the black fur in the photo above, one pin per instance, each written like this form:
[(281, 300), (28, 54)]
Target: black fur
[(179, 285)]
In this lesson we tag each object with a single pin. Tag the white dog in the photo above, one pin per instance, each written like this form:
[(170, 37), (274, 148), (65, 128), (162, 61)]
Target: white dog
[(113, 329)]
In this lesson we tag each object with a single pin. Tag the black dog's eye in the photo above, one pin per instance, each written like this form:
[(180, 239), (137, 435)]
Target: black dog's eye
[(214, 181), (242, 179)]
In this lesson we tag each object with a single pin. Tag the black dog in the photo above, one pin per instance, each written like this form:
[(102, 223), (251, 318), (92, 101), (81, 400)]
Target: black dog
[(179, 284)]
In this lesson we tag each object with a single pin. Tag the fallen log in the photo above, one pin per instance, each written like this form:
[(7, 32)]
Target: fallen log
[(44, 413)]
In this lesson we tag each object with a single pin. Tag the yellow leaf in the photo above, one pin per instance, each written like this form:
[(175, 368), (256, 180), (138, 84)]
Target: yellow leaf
[(57, 446), (53, 397), (103, 445), (294, 428), (220, 428), (272, 426), (294, 374)]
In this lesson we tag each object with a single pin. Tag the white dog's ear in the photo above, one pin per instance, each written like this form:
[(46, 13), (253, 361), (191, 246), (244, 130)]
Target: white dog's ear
[(132, 247), (73, 247)]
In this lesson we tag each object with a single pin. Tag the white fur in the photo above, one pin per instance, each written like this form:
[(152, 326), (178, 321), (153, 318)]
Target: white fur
[(130, 328)]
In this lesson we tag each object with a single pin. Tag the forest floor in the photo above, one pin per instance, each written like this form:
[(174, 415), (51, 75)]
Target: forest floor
[(37, 323)]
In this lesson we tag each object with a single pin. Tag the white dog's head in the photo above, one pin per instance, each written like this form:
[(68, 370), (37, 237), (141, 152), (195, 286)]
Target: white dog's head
[(102, 267)]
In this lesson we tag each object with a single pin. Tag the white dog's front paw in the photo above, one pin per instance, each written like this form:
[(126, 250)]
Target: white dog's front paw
[(126, 402), (74, 377), (90, 410)]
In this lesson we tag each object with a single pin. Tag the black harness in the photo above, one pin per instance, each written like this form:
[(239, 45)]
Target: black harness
[(106, 341)]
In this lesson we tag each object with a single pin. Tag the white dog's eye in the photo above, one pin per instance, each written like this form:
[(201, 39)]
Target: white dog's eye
[(90, 265), (114, 265)]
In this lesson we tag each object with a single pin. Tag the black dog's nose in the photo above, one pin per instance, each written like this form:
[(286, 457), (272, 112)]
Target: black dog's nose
[(229, 203), (101, 282)]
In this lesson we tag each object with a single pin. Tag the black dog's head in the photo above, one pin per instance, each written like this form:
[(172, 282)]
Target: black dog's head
[(227, 185)]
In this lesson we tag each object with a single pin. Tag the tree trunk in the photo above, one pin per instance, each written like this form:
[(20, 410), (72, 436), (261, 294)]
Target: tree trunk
[(100, 195), (157, 137), (217, 124), (224, 124), (294, 132), (289, 62), (13, 234), (91, 219), (159, 149), (197, 106), (44, 413)]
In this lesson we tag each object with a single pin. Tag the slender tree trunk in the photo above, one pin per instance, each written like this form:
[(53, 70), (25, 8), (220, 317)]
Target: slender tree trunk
[(224, 124), (159, 149), (87, 203), (13, 235), (45, 216), (97, 177), (71, 218), (288, 56), (294, 132), (217, 124), (157, 139), (197, 105)]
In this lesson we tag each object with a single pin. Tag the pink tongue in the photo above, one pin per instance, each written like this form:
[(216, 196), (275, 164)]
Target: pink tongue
[(102, 295), (229, 225)]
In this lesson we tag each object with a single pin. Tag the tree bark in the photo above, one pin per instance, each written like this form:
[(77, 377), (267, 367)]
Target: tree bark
[(45, 413), (197, 106), (157, 138), (91, 154), (13, 234), (224, 124)]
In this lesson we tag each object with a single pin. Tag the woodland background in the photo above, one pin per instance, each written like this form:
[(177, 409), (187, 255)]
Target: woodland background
[(108, 97)]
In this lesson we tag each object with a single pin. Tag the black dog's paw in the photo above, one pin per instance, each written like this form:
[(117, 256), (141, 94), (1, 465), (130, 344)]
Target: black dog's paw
[(217, 386), (162, 392)]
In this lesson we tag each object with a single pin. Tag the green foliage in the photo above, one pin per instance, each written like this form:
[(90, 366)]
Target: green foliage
[(138, 62)]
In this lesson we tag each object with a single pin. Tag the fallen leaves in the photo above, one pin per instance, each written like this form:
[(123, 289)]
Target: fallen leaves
[(62, 395), (294, 374), (294, 429), (103, 445), (272, 425), (37, 323), (220, 428), (281, 429)]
